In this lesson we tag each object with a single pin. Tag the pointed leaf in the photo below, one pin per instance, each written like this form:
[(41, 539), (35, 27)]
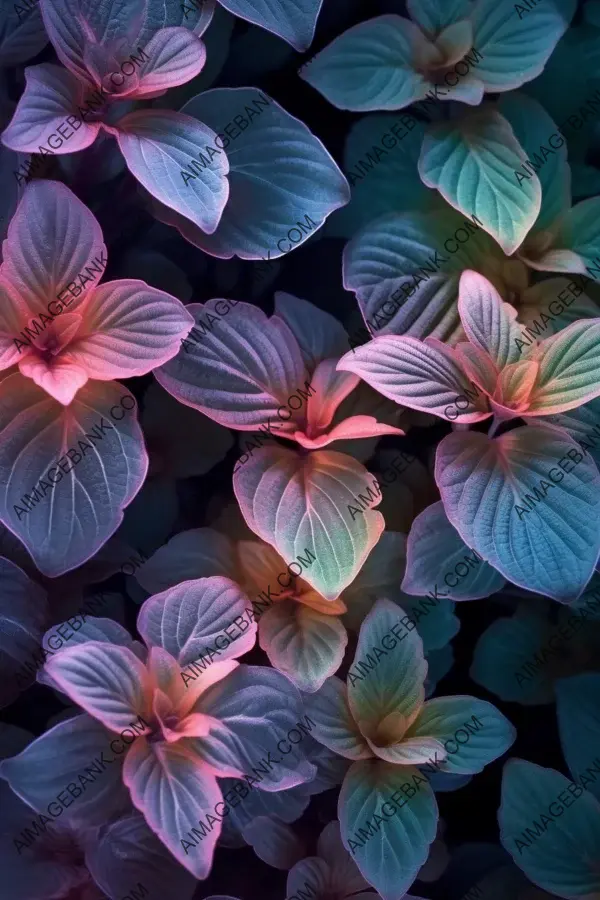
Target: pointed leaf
[(304, 644), (576, 245), (546, 543), (306, 504), (546, 150), (282, 178), (569, 369), (419, 374), (197, 553), (37, 434), (128, 852), (434, 550), (583, 424), (186, 619), (253, 709), (175, 56), (563, 842), (57, 758), (174, 792), (490, 324), (21, 36), (238, 367), (516, 40), (472, 162), (404, 269), (380, 160), (107, 681), (293, 20), (51, 239), (49, 97), (389, 854), (386, 678), (158, 145), (505, 648), (485, 734), (23, 617), (129, 328), (578, 711), (319, 334), (373, 65), (336, 728), (435, 15)]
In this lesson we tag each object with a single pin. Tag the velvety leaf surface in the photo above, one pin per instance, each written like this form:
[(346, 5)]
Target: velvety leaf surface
[(561, 859), (391, 858), (237, 366), (281, 177), (371, 66), (293, 20), (434, 548), (500, 496), (63, 530), (157, 146), (472, 165), (302, 504)]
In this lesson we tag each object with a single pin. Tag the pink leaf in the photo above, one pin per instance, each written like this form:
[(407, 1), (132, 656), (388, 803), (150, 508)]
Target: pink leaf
[(128, 329)]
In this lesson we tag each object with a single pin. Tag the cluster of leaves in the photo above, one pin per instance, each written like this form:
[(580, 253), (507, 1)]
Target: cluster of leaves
[(335, 573)]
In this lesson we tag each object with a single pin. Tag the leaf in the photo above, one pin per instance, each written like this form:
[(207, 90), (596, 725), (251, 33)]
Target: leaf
[(128, 852), (283, 183), (319, 334), (174, 792), (472, 162), (238, 367), (105, 631), (389, 682), (253, 709), (159, 147), (578, 711), (446, 717), (501, 498), (51, 239), (435, 15), (490, 324), (21, 36), (516, 40), (121, 25), (129, 328), (197, 553), (106, 680), (504, 649), (404, 269), (293, 20), (389, 854), (175, 56), (569, 369), (534, 129), (56, 759), (423, 375), (24, 615), (50, 94), (301, 642), (433, 552), (305, 504), (583, 425), (186, 618), (576, 245), (373, 65), (336, 728), (102, 476), (559, 854)]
